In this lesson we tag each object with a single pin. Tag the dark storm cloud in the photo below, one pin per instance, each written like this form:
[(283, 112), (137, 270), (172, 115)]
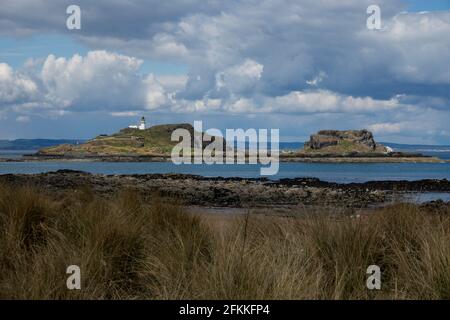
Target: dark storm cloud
[(295, 41), (110, 18)]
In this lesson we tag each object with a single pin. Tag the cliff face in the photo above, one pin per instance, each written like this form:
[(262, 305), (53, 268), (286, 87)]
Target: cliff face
[(335, 141)]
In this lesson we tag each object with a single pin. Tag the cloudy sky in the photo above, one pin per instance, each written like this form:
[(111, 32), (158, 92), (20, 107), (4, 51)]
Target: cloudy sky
[(296, 65)]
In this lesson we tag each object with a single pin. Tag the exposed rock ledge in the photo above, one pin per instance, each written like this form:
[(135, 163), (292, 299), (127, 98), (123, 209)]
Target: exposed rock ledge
[(231, 192)]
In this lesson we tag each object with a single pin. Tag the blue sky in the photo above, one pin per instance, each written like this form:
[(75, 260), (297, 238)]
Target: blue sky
[(299, 66), (428, 5), (17, 50)]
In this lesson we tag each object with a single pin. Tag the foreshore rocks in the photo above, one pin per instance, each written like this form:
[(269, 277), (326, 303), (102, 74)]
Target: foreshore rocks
[(229, 192)]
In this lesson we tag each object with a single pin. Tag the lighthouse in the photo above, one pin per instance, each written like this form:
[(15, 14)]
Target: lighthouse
[(142, 124)]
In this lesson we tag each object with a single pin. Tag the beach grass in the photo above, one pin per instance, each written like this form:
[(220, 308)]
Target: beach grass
[(133, 247)]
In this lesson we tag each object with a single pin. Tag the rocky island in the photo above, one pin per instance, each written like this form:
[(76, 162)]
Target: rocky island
[(129, 144), (350, 146), (155, 144), (350, 142)]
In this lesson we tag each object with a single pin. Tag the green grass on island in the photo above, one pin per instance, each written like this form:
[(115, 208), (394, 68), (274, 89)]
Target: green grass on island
[(153, 141), (348, 145)]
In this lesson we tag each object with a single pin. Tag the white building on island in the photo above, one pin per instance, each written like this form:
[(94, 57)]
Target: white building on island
[(141, 125)]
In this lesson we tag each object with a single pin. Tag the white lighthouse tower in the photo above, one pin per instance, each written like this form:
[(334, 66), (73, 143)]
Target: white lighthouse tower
[(141, 125)]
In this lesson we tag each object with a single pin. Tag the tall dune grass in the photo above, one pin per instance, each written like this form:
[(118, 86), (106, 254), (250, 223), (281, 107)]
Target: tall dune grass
[(131, 248)]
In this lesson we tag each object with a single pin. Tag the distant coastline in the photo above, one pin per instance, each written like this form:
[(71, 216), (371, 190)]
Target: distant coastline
[(35, 144)]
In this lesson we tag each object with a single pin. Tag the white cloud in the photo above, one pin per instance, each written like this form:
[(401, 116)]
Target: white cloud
[(414, 47), (104, 81), (110, 82), (155, 93), (23, 119), (240, 77), (124, 114), (165, 46), (317, 80), (172, 82), (98, 80), (15, 87), (386, 128), (324, 101)]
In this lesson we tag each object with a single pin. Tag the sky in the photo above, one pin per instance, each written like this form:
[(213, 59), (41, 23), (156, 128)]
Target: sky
[(296, 65)]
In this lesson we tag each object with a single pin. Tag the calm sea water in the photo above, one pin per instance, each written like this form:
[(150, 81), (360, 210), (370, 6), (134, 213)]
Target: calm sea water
[(15, 154), (342, 173), (329, 172)]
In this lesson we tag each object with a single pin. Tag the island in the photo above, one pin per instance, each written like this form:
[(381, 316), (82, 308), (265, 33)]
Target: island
[(141, 144), (350, 146), (130, 144)]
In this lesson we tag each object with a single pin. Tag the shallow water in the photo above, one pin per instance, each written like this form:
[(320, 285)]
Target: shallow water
[(15, 154), (421, 197), (342, 173)]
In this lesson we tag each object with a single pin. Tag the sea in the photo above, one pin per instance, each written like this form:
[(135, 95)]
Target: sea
[(341, 173), (332, 172)]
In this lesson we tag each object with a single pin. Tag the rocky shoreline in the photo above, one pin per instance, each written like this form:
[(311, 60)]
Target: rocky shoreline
[(232, 192)]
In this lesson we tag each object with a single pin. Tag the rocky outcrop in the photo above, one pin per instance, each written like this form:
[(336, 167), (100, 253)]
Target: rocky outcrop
[(336, 141), (230, 192)]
